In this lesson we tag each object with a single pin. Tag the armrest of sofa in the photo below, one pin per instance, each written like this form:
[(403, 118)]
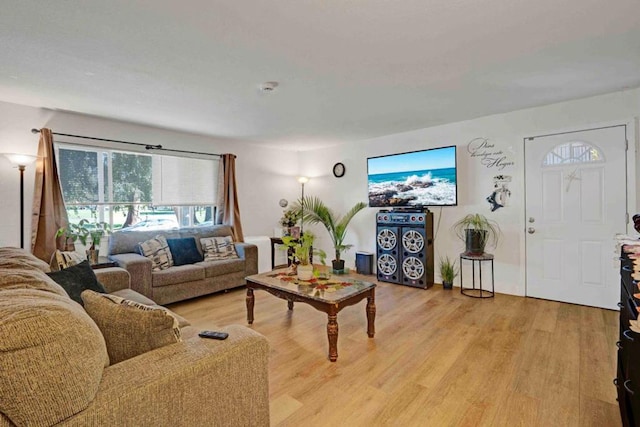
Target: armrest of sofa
[(113, 278), (194, 382), (139, 267), (249, 252)]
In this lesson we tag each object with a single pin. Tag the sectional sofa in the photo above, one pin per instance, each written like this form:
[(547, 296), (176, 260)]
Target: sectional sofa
[(57, 365)]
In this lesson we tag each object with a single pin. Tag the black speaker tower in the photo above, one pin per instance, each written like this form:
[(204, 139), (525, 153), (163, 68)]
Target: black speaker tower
[(404, 247)]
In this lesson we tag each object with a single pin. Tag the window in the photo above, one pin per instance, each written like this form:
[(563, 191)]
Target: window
[(132, 190), (572, 152)]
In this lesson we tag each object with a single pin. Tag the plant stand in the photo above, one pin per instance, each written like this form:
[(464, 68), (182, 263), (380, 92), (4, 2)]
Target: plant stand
[(473, 291)]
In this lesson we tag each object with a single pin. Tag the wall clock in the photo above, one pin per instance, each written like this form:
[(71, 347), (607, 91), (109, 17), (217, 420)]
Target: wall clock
[(338, 170)]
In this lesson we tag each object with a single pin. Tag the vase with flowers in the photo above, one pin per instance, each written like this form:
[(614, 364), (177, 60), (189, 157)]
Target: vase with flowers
[(290, 218)]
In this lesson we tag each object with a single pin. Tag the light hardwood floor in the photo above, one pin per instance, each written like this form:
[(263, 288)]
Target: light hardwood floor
[(438, 359)]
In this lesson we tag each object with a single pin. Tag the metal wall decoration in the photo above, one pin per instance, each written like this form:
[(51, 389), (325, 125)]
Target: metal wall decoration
[(500, 195)]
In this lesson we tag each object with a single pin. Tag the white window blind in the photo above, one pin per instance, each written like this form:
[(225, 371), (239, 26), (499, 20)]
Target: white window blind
[(184, 181)]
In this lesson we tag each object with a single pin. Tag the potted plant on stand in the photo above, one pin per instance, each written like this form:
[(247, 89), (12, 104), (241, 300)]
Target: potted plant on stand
[(448, 272), (301, 250), (88, 233), (317, 212), (477, 231)]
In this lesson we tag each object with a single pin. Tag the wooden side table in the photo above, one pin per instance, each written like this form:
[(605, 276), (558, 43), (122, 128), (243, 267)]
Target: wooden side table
[(473, 291), (278, 241), (104, 262)]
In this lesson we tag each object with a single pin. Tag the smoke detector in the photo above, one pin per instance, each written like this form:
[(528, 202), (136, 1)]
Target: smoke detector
[(268, 86)]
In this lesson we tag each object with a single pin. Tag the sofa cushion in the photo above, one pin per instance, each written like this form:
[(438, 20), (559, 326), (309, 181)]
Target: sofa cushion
[(8, 254), (132, 295), (157, 250), (218, 248), (219, 268), (184, 251), (76, 279), (127, 240), (199, 232), (52, 357), (130, 328), (177, 274), (18, 275)]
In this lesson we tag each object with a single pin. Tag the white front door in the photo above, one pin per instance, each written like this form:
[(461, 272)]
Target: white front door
[(576, 201)]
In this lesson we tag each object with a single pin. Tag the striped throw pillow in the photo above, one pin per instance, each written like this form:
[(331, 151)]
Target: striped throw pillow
[(218, 248), (157, 250)]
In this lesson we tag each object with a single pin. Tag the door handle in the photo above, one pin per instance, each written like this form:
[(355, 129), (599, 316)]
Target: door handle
[(531, 230)]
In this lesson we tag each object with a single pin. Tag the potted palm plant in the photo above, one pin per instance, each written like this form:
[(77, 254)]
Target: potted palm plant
[(301, 250), (88, 233), (477, 231), (315, 211), (448, 272)]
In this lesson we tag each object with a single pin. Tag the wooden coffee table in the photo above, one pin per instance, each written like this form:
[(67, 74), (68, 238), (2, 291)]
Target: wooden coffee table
[(327, 295)]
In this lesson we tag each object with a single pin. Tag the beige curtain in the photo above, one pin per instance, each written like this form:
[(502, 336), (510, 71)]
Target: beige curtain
[(49, 213), (228, 208)]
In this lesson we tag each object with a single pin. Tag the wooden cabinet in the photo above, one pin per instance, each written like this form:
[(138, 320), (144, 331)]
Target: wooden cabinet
[(627, 379)]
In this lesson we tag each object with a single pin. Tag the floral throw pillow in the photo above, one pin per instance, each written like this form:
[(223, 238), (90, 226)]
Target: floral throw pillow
[(157, 250), (218, 248)]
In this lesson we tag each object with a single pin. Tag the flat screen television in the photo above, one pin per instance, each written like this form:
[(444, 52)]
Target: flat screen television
[(414, 180)]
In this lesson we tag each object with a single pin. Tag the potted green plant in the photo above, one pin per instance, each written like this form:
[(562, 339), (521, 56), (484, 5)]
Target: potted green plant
[(448, 272), (300, 253), (315, 211), (477, 231), (87, 233)]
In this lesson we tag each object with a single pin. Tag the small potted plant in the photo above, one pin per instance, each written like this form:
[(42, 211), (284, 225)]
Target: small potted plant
[(477, 231), (88, 233), (448, 272), (315, 211), (301, 250)]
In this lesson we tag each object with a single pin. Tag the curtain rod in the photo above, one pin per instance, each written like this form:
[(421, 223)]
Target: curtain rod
[(146, 146)]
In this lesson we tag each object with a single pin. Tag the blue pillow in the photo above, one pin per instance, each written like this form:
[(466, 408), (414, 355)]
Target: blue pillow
[(184, 251)]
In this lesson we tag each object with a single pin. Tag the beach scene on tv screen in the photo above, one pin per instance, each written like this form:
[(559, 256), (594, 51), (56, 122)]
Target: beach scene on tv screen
[(421, 178)]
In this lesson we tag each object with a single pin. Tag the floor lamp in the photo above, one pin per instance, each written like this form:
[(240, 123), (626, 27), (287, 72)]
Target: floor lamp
[(302, 180), (21, 161)]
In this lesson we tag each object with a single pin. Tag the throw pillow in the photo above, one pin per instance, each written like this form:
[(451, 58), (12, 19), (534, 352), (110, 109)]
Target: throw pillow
[(157, 250), (65, 259), (184, 251), (130, 328), (76, 279), (218, 248)]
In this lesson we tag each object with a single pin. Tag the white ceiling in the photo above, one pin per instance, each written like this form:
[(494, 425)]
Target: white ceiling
[(348, 69)]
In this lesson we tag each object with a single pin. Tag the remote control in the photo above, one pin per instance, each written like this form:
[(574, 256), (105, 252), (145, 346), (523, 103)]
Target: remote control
[(213, 335)]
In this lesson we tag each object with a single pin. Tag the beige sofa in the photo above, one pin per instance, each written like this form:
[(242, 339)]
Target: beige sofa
[(185, 281), (55, 367)]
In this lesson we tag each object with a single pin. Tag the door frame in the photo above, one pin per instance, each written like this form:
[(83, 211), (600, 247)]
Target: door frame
[(632, 177)]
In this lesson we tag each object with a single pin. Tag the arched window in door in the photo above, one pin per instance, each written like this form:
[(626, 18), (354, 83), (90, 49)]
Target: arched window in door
[(573, 152)]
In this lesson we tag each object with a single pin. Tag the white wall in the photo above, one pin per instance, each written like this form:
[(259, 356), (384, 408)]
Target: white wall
[(264, 175), (506, 132), (267, 175)]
